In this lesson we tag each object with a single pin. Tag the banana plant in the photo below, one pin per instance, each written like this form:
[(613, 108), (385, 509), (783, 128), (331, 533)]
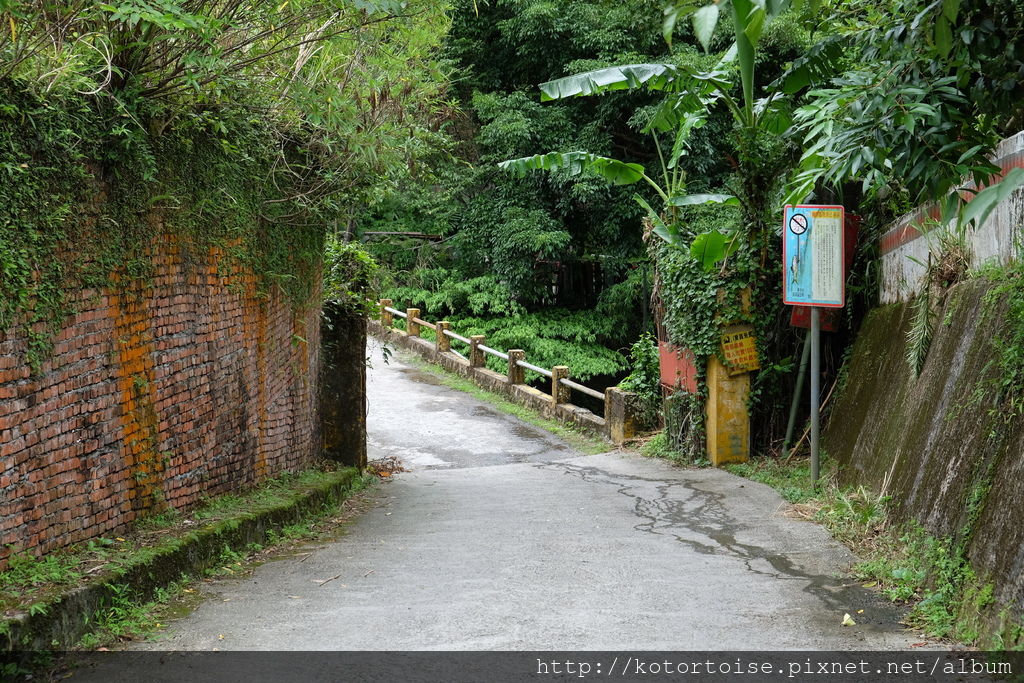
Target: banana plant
[(669, 187), (749, 20), (689, 95)]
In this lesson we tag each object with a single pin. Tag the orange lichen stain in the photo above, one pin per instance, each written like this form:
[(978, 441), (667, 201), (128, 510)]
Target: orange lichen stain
[(258, 318), (136, 386)]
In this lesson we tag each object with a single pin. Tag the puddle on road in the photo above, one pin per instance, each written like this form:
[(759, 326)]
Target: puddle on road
[(408, 457), (537, 436), (420, 377), (434, 405), (523, 431)]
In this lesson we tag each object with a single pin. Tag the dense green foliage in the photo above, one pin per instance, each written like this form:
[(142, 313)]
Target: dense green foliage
[(263, 128), (250, 126), (644, 381), (698, 93), (917, 100), (554, 265), (350, 277)]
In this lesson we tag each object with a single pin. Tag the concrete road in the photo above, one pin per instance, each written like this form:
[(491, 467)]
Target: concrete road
[(502, 537)]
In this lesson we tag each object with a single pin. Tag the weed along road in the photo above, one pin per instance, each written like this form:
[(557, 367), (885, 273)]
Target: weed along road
[(502, 536)]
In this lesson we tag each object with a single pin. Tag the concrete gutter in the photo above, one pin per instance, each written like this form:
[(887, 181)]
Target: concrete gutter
[(66, 617)]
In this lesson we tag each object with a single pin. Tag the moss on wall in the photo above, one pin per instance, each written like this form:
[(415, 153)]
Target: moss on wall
[(85, 190), (940, 443)]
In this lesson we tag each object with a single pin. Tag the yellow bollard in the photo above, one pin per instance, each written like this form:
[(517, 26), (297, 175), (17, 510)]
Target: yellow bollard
[(728, 424)]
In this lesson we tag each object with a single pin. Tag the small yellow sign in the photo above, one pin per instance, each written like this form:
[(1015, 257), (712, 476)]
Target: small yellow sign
[(739, 348)]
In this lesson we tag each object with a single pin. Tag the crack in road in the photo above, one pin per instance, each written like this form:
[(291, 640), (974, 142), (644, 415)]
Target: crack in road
[(703, 513)]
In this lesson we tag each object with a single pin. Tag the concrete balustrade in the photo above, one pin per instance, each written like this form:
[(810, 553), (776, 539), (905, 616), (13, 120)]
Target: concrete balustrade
[(617, 425), (516, 372), (559, 392), (476, 354), (443, 342), (412, 327)]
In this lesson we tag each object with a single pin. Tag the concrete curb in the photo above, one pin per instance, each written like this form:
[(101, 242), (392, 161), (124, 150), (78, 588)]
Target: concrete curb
[(67, 617)]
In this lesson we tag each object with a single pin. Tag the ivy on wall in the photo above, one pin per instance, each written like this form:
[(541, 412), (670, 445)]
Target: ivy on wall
[(244, 126), (80, 207)]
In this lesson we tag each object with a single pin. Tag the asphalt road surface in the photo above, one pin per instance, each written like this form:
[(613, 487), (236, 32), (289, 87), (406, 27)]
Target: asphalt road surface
[(502, 537)]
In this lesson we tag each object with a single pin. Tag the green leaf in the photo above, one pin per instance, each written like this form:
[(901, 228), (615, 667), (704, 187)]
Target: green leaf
[(685, 127), (969, 153), (630, 76), (380, 6), (986, 201), (674, 113), (949, 206), (669, 233), (950, 10), (711, 247), (696, 199), (754, 25), (576, 163), (728, 58), (796, 80), (672, 14), (943, 37), (704, 21)]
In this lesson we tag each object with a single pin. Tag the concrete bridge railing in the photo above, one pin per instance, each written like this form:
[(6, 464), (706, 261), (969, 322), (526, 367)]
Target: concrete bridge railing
[(617, 424)]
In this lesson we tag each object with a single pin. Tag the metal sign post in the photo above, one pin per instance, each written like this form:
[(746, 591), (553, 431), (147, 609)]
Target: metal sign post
[(815, 391), (812, 259)]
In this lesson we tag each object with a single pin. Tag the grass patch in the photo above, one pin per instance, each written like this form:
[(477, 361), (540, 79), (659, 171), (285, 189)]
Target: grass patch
[(575, 437), (127, 616), (907, 565), (31, 584), (791, 478), (25, 571), (658, 446)]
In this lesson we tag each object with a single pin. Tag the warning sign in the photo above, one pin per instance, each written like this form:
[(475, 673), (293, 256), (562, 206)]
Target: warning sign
[(739, 348), (812, 256)]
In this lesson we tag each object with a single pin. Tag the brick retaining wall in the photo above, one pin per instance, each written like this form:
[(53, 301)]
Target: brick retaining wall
[(189, 384)]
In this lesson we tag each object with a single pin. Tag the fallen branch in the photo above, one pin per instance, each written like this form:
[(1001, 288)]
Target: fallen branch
[(326, 581)]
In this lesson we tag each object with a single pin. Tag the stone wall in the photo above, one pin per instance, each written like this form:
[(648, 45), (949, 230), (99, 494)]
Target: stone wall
[(187, 384)]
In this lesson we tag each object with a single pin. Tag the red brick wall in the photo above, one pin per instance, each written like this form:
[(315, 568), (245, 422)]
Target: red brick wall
[(192, 383)]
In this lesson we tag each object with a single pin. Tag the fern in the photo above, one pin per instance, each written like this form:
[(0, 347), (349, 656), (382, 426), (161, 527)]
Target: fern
[(919, 337)]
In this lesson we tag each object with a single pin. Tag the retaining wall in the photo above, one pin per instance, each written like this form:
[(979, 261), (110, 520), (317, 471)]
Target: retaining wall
[(939, 443), (189, 384)]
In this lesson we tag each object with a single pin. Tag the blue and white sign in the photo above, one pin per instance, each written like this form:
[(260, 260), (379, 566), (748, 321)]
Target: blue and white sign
[(812, 256)]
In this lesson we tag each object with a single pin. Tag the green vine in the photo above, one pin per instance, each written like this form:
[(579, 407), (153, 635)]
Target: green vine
[(351, 278), (644, 380), (84, 201), (42, 153)]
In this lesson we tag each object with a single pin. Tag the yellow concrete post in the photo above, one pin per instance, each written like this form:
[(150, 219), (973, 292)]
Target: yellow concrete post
[(559, 392), (476, 356), (444, 342), (516, 374), (619, 417), (412, 328), (386, 319), (728, 424)]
